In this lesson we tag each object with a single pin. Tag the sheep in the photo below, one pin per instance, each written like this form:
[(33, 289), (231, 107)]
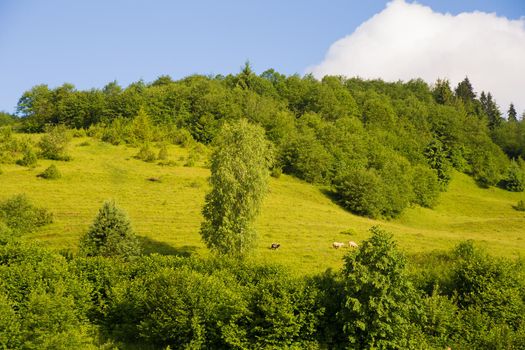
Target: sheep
[(337, 245)]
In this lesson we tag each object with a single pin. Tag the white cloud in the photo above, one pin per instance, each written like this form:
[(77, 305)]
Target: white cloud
[(409, 40)]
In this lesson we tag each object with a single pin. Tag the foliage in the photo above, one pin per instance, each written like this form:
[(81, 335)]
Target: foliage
[(29, 159), (361, 191), (320, 129), (514, 180), (43, 304), (163, 153), (6, 119), (520, 206), (379, 301), (239, 177), (51, 173), (484, 281), (20, 216), (110, 234), (55, 142), (437, 159), (11, 146), (426, 186), (146, 153)]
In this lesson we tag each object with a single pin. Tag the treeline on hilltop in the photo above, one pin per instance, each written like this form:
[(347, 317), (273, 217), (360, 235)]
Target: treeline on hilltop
[(379, 146)]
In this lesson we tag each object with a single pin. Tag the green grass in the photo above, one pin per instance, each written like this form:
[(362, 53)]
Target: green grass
[(166, 212)]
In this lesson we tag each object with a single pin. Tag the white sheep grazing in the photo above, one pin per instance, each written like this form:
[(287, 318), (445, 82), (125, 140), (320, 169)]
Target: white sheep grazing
[(337, 245), (352, 244)]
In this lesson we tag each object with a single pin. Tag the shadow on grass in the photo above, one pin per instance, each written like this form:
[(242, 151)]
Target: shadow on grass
[(333, 197), (151, 246)]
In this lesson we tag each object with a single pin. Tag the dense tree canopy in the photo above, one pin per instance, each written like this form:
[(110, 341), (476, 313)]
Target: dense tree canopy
[(325, 132)]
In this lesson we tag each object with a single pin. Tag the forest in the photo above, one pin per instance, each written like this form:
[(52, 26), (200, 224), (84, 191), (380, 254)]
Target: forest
[(375, 148)]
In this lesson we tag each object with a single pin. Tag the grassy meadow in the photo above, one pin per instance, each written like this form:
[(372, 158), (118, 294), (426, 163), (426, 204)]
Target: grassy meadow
[(164, 204)]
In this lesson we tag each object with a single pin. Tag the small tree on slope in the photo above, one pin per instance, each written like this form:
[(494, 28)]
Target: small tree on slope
[(239, 179), (110, 234)]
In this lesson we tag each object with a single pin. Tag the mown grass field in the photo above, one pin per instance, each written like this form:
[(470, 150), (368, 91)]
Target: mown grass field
[(299, 216)]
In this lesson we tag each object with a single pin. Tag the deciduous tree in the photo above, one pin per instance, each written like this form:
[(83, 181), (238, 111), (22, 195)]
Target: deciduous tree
[(239, 177)]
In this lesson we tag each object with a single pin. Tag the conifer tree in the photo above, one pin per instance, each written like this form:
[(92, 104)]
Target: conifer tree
[(110, 234), (465, 91), (512, 114)]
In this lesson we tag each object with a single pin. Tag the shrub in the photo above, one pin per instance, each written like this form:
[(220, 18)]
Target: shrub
[(520, 206), (380, 302), (360, 191), (425, 183), (54, 144), (146, 153), (110, 234), (42, 304), (180, 137), (51, 173), (514, 180), (21, 216), (29, 159), (276, 172), (493, 285), (195, 154), (6, 234), (437, 159), (79, 133), (163, 153), (180, 308), (141, 127)]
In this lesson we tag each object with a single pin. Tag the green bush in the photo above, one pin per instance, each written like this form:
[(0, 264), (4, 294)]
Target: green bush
[(42, 304), (361, 191), (276, 172), (495, 285), (21, 216), (520, 206), (426, 186), (110, 234), (380, 303), (163, 153), (55, 142), (29, 159), (146, 154), (181, 308), (51, 173), (79, 133), (437, 159), (514, 180)]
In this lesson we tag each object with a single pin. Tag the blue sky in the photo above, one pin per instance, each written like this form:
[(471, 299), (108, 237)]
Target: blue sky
[(89, 43)]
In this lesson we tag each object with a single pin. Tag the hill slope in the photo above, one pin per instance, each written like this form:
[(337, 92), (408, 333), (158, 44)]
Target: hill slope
[(166, 213)]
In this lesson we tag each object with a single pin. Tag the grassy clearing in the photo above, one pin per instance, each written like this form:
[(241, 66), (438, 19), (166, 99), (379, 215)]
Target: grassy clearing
[(164, 204)]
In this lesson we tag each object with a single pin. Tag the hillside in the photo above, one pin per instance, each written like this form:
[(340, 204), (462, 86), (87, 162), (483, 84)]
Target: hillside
[(298, 215)]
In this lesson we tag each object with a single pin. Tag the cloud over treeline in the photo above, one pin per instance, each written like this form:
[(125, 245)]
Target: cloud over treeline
[(409, 40)]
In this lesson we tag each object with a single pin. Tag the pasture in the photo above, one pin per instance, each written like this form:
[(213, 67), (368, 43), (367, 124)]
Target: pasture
[(164, 204)]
